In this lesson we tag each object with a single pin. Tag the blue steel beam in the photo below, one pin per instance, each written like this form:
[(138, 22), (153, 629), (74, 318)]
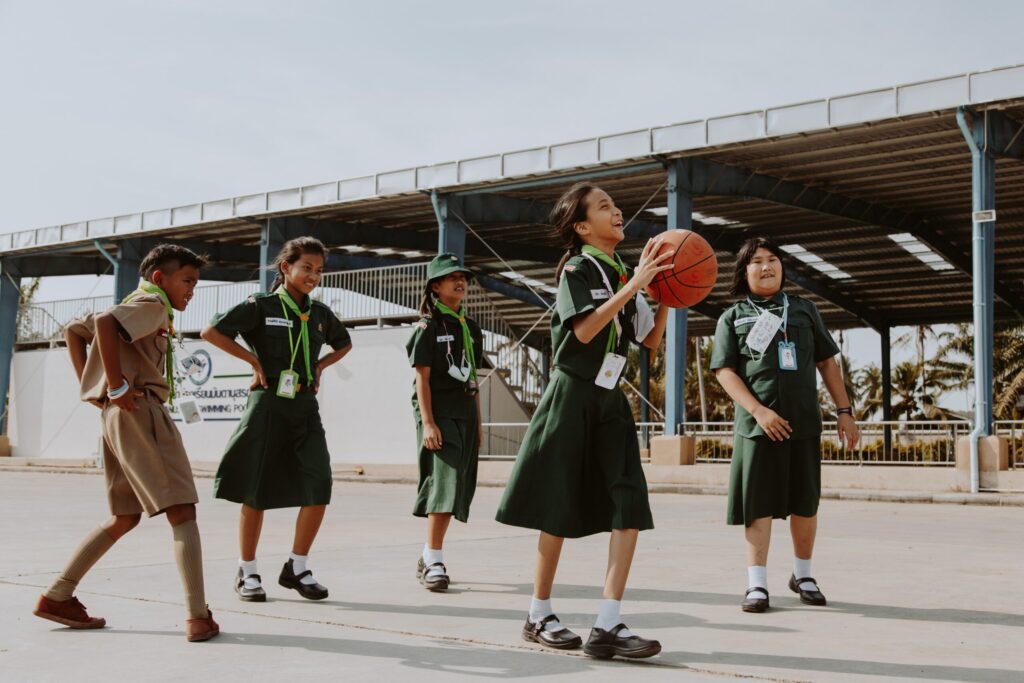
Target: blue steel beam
[(1004, 136), (272, 238), (713, 178), (680, 217), (451, 234), (10, 296), (129, 256)]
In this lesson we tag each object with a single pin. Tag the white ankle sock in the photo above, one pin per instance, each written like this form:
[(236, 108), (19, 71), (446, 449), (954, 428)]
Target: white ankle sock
[(540, 610), (608, 617), (431, 555), (248, 568), (802, 570), (299, 566), (757, 577)]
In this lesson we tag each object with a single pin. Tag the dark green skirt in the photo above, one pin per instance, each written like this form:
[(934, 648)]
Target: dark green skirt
[(774, 479), (277, 458), (578, 471), (448, 477)]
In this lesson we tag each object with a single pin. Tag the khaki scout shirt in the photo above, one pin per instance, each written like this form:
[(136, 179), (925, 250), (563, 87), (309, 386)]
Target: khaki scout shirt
[(429, 346), (264, 322), (581, 289), (142, 346), (793, 394)]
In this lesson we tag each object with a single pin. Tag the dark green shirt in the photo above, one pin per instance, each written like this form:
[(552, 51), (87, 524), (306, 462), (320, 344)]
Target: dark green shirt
[(581, 289), (793, 394), (264, 324), (433, 339)]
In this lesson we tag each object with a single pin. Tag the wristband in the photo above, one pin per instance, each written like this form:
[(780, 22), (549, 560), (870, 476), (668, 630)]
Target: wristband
[(844, 411), (119, 392)]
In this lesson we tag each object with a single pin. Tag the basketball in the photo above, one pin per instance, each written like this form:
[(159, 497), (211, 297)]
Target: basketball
[(694, 271)]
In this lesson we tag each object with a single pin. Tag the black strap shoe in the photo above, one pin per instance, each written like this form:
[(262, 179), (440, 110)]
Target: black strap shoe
[(562, 639), (289, 579), (249, 594), (433, 581), (814, 597), (604, 644), (750, 604)]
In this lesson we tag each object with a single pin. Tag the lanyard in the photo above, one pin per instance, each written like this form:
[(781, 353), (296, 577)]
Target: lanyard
[(303, 339), (590, 252), (785, 312), (467, 338), (147, 287)]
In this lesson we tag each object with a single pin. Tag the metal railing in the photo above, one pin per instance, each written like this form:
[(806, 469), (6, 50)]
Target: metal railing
[(1013, 430), (370, 296)]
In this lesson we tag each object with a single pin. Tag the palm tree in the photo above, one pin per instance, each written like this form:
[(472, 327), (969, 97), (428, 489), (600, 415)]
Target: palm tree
[(957, 353), (868, 380)]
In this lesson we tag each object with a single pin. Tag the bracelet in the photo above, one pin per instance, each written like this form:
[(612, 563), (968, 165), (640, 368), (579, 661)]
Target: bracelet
[(844, 411), (119, 392)]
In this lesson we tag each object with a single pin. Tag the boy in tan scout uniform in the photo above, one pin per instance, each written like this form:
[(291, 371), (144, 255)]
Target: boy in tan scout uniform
[(128, 374)]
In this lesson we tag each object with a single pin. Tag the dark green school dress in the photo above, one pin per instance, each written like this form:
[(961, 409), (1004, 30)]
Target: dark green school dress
[(775, 478), (447, 479), (278, 456), (578, 470)]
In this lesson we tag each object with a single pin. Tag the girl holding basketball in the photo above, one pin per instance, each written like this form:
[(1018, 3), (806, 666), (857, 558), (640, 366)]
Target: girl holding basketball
[(578, 470), (767, 348)]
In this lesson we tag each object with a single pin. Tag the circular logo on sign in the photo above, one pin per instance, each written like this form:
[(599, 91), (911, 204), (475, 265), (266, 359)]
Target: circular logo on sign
[(197, 367)]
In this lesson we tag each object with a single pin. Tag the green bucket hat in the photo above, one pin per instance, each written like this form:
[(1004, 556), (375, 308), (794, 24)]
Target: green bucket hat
[(446, 264)]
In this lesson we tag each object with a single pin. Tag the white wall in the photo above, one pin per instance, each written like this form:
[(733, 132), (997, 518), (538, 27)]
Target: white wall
[(364, 402)]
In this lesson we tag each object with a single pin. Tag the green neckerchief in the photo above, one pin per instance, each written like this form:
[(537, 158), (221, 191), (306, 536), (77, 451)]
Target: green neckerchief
[(467, 338), (620, 268), (147, 287), (286, 300)]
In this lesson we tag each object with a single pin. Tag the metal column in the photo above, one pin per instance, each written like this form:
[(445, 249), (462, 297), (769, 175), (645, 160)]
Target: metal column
[(983, 200), (885, 333), (645, 392), (10, 296), (272, 238), (451, 235), (680, 216), (126, 272)]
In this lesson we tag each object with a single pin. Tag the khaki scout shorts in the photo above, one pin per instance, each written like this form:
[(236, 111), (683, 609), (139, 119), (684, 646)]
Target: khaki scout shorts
[(145, 463)]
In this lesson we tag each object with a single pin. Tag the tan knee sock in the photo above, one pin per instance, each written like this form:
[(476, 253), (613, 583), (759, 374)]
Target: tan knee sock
[(188, 553), (92, 548)]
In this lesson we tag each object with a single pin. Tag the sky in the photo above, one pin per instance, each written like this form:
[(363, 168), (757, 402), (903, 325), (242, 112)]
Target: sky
[(116, 106)]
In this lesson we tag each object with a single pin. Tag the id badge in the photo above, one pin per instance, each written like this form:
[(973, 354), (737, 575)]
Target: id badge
[(787, 355), (611, 368), (763, 331), (288, 384), (190, 412)]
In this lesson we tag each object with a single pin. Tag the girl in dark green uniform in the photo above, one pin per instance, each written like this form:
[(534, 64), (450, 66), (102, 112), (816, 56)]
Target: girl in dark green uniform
[(767, 348), (278, 455), (445, 348), (578, 471)]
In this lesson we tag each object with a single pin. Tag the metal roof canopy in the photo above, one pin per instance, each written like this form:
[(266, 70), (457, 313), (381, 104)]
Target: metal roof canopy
[(872, 191)]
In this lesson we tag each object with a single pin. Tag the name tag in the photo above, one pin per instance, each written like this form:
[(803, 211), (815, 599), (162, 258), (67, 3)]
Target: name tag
[(749, 320), (763, 331), (600, 294), (446, 338), (611, 369), (278, 322)]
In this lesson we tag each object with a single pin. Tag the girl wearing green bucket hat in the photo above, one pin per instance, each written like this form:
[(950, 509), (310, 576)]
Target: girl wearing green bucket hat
[(445, 349), (578, 470), (278, 456)]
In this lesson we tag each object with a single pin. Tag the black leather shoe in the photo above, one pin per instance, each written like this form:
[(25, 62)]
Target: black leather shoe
[(435, 582), (814, 597), (562, 639), (288, 579), (604, 644), (755, 604), (249, 594)]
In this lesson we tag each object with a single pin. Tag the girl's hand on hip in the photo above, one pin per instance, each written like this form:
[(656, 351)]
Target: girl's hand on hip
[(431, 437), (848, 431), (258, 378), (774, 425), (316, 378), (651, 263), (127, 402)]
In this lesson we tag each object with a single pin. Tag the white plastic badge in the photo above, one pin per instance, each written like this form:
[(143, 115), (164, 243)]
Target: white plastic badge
[(643, 321), (787, 355), (763, 331), (277, 322), (288, 384), (190, 412), (611, 368)]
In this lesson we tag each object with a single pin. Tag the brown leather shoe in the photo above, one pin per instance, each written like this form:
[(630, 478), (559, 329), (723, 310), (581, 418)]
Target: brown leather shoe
[(200, 629), (70, 613)]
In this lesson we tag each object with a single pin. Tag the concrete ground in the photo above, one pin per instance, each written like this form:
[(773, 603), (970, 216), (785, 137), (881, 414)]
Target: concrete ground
[(917, 592)]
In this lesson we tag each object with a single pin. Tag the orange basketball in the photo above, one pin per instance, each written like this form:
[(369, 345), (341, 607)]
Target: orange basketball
[(695, 269)]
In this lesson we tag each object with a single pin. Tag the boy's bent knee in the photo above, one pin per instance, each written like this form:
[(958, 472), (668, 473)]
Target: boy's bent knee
[(179, 514), (118, 525)]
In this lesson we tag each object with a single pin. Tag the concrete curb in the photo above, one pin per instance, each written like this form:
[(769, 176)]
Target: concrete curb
[(993, 499)]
